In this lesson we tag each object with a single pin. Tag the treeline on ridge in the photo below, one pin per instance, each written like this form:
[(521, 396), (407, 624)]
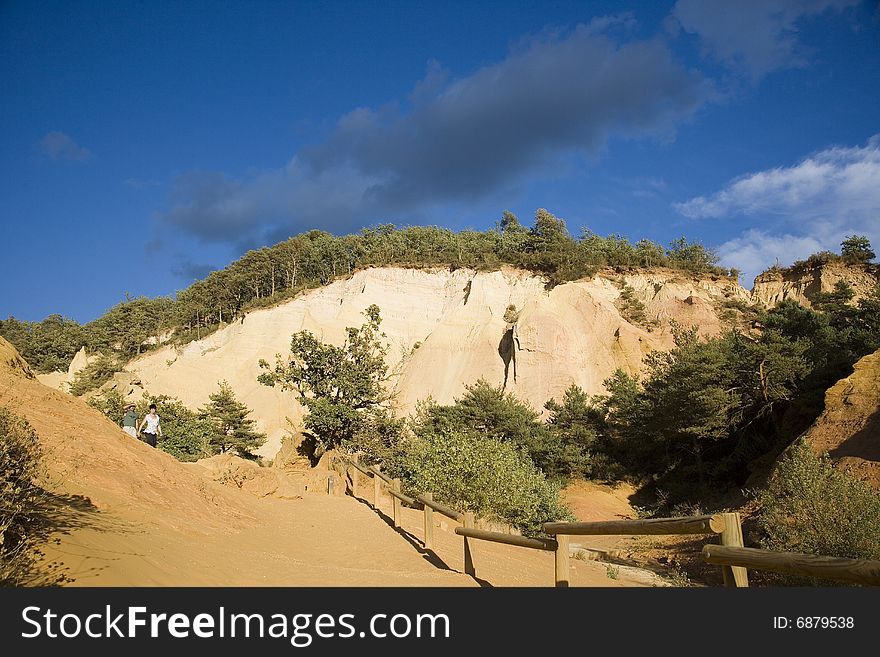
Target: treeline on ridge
[(268, 275)]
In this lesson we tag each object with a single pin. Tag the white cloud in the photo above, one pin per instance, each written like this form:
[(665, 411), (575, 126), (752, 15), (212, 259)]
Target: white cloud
[(802, 209), (59, 146), (757, 36)]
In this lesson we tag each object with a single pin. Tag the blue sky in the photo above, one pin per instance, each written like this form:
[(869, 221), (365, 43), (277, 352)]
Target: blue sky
[(145, 143)]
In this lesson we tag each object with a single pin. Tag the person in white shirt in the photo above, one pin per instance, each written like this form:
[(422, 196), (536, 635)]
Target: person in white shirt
[(150, 427)]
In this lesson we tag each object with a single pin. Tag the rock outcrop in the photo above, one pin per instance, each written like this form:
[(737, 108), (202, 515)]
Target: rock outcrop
[(445, 330), (11, 362), (803, 283), (62, 380), (849, 427)]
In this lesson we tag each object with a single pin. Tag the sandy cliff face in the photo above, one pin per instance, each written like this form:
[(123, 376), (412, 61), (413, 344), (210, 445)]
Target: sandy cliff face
[(446, 329), (62, 380), (11, 362), (849, 428), (803, 284)]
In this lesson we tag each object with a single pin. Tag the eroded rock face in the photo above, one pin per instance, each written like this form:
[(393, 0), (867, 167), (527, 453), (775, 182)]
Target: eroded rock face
[(804, 283), (849, 428), (62, 380), (444, 330), (11, 361)]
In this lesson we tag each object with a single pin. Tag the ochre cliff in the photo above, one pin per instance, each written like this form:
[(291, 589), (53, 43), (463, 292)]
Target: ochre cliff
[(446, 329), (803, 283), (849, 428)]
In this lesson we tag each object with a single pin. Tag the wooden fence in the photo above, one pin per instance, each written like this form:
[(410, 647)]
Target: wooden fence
[(855, 571), (733, 558)]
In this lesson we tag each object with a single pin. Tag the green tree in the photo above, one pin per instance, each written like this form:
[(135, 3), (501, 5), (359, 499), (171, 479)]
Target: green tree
[(341, 387), (574, 422), (95, 374), (486, 411), (691, 256), (232, 429), (856, 249)]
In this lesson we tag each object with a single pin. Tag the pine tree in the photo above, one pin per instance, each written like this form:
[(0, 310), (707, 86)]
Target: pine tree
[(232, 428)]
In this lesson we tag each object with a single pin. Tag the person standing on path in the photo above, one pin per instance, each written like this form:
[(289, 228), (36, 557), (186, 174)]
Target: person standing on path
[(130, 420), (151, 422)]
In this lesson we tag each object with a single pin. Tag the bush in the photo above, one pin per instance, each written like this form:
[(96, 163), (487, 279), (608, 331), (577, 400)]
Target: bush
[(22, 503), (490, 477), (94, 375), (185, 435), (111, 403), (812, 507)]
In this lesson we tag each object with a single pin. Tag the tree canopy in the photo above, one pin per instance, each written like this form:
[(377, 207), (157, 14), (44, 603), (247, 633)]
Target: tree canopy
[(271, 274), (232, 429), (342, 388)]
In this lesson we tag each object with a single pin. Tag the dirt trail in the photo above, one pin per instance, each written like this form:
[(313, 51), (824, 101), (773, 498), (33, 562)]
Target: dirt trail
[(134, 516), (130, 515)]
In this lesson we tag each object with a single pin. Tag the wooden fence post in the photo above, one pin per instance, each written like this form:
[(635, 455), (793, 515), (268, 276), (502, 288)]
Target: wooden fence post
[(396, 503), (353, 473), (732, 536), (562, 563), (468, 558), (429, 522), (377, 488)]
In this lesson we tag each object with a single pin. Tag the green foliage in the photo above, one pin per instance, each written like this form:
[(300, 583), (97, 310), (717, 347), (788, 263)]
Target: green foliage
[(342, 388), (708, 408), (232, 430), (185, 435), (267, 276), (690, 256), (111, 403), (856, 249), (632, 309), (574, 424), (48, 345), (125, 329), (486, 411), (94, 375), (493, 478), (24, 505), (810, 506)]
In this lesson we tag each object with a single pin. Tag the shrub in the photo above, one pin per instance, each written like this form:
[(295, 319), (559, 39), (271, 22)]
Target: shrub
[(488, 476), (23, 504), (185, 435), (111, 403), (812, 507), (94, 375), (632, 309)]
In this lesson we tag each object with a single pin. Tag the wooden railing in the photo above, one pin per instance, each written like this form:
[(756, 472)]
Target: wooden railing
[(727, 525), (855, 571), (733, 558)]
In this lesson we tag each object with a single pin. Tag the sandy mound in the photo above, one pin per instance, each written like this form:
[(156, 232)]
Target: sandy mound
[(266, 482), (849, 428), (129, 515)]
